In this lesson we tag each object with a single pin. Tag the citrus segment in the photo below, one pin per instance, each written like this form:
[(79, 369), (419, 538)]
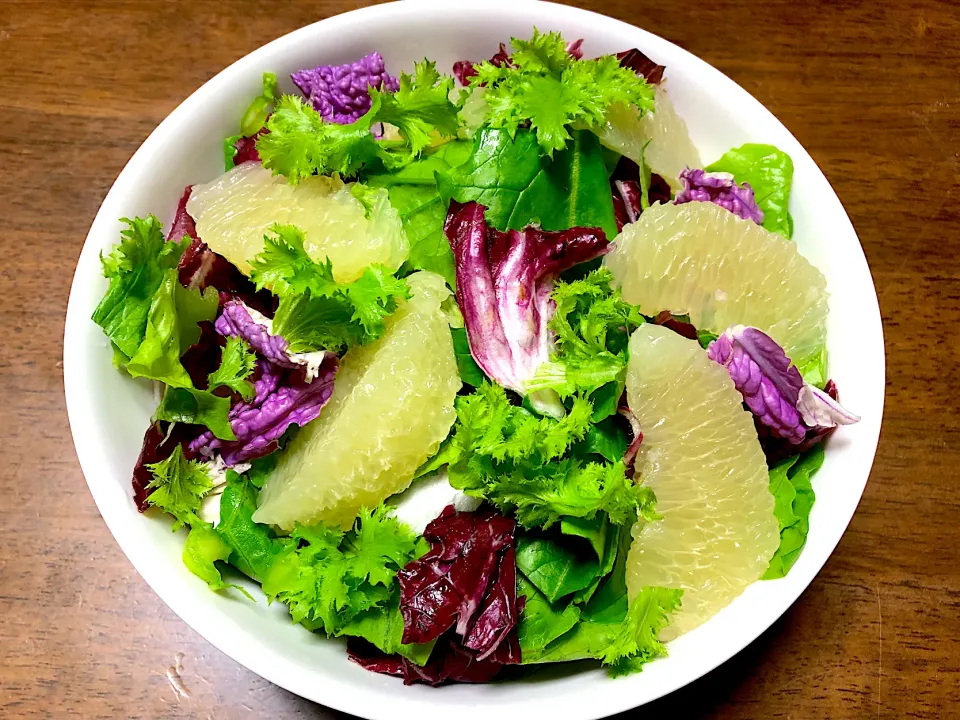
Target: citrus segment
[(701, 457), (234, 211), (700, 259), (670, 149), (391, 408)]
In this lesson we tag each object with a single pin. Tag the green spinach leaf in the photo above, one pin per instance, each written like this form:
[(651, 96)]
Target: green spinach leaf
[(519, 187), (470, 372), (414, 195)]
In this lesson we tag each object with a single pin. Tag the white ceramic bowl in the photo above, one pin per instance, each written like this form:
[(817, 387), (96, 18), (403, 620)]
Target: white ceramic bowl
[(109, 412)]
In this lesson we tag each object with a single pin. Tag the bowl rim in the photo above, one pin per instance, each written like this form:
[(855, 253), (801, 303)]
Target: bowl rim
[(338, 694)]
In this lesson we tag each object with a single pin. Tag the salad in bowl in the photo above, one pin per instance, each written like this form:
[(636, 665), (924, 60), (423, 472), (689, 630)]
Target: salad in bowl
[(479, 367)]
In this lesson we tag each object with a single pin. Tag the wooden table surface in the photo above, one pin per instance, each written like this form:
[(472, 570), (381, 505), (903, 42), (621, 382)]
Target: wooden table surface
[(871, 89)]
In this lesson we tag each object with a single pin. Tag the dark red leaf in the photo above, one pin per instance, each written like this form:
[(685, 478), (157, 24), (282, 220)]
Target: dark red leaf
[(630, 456), (625, 187), (463, 70), (367, 655), (449, 662), (247, 148), (203, 357), (461, 593), (201, 268), (659, 190), (447, 586), (641, 65), (626, 201), (679, 324), (498, 612), (183, 224), (159, 443)]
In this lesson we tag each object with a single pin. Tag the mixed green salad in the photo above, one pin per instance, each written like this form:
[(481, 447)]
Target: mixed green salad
[(480, 369)]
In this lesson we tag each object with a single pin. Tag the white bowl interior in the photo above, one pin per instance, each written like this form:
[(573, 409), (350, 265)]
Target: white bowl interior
[(109, 412)]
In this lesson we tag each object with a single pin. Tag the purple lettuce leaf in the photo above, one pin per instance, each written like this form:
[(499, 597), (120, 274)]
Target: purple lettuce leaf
[(776, 449), (773, 389), (720, 189), (282, 398), (239, 320), (462, 593), (450, 661), (504, 283), (763, 374), (341, 93), (630, 455), (464, 582), (819, 409)]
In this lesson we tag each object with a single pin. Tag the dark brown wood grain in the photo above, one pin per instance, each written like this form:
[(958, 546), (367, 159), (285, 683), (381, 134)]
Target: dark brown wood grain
[(871, 89)]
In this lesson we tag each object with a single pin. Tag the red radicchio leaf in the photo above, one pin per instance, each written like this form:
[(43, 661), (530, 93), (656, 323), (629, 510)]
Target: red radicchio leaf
[(672, 322), (246, 147), (183, 224), (499, 610), (449, 662), (203, 357), (201, 268), (630, 456), (641, 65), (463, 592), (159, 443), (625, 187), (464, 69), (449, 584), (504, 282)]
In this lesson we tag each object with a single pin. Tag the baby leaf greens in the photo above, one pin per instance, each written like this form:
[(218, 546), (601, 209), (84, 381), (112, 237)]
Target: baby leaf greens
[(301, 143), (559, 627), (547, 88), (592, 325), (519, 187), (516, 460), (315, 311)]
